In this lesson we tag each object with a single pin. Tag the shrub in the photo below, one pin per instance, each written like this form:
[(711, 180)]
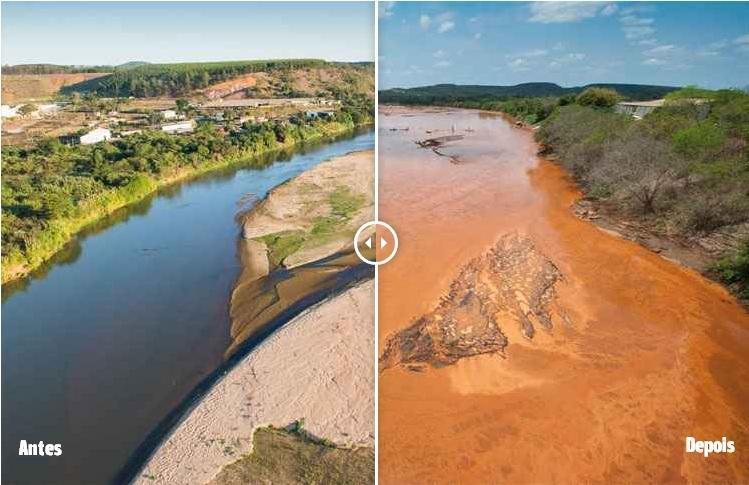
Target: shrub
[(699, 140), (734, 269), (598, 98)]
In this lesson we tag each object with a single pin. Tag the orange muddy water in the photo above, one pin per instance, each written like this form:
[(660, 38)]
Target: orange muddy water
[(646, 354)]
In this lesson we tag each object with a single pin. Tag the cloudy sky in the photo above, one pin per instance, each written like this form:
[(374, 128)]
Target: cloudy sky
[(570, 43), (113, 33)]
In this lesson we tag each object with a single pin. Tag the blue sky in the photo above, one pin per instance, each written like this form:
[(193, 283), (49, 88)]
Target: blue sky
[(113, 33), (570, 43)]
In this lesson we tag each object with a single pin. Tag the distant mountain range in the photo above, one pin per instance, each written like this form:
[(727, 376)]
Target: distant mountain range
[(456, 92)]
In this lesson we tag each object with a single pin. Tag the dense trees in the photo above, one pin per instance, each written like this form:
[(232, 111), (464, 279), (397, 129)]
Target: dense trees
[(179, 79)]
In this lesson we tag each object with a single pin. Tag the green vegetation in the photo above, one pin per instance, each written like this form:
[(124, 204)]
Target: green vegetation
[(343, 204), (734, 270), (293, 456), (282, 244), (684, 168), (53, 69), (51, 191), (149, 80), (598, 98)]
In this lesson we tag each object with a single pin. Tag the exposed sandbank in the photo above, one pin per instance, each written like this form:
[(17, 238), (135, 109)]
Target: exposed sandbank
[(318, 211), (318, 367)]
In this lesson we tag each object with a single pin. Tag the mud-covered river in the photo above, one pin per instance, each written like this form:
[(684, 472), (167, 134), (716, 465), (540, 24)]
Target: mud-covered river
[(629, 353), (100, 345)]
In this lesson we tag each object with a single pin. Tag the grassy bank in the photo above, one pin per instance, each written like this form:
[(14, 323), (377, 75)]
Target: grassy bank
[(342, 205), (292, 456), (52, 191)]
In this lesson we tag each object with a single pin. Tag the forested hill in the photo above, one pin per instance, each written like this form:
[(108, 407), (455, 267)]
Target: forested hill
[(454, 92), (285, 77)]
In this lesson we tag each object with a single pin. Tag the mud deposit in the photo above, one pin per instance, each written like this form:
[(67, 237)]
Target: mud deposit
[(512, 284), (548, 350)]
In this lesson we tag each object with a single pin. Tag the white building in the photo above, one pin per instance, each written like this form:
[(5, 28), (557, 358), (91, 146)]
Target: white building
[(638, 109), (8, 111), (181, 127), (169, 114), (96, 136)]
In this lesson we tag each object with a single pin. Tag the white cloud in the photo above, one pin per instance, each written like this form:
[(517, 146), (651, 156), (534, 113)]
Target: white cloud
[(635, 32), (647, 42), (442, 64), (742, 42), (530, 53), (473, 19), (438, 54), (661, 50), (519, 64), (477, 35), (558, 47), (609, 9), (425, 21), (654, 62), (567, 59), (385, 9), (633, 20), (561, 12), (446, 26)]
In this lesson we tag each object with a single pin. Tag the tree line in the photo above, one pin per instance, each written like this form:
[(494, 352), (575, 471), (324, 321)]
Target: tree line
[(179, 79)]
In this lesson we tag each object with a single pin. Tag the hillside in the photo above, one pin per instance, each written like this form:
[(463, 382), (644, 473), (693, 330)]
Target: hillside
[(454, 92), (24, 87), (261, 78)]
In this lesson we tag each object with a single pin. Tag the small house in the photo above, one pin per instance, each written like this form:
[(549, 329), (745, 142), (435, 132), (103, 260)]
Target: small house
[(95, 136), (168, 114), (181, 127)]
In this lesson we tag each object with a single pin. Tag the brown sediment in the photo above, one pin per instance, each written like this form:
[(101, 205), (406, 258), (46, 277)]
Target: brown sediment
[(512, 284), (654, 352)]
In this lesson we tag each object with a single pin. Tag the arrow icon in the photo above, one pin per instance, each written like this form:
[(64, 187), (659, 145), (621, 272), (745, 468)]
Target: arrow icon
[(368, 242), (383, 242)]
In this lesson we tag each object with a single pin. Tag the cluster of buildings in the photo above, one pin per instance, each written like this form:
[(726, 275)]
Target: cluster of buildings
[(228, 112)]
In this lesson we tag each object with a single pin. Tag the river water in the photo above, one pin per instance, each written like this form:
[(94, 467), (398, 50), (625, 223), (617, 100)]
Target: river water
[(101, 344), (651, 353)]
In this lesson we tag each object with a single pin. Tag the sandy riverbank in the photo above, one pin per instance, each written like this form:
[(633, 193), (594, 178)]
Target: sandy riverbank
[(315, 214), (288, 377)]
